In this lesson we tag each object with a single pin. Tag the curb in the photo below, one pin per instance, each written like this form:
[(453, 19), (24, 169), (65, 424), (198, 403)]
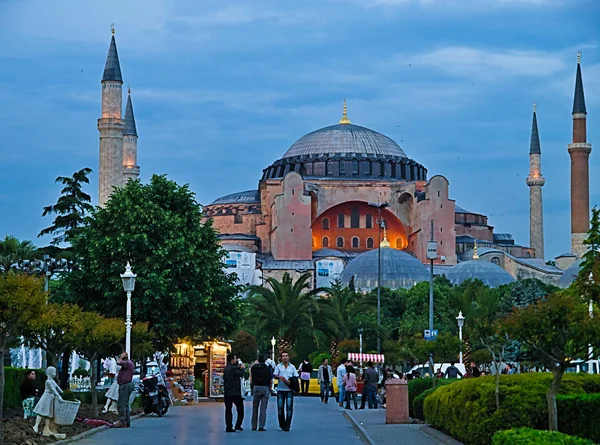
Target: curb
[(90, 432), (366, 436), (444, 438)]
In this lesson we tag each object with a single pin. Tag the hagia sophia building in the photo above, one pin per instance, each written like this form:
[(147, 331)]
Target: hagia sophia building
[(340, 193)]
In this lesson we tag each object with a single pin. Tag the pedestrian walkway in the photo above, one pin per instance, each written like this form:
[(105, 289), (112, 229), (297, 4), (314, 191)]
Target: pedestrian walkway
[(204, 423), (372, 424)]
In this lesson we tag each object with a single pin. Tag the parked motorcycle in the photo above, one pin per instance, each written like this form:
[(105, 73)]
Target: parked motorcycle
[(155, 398)]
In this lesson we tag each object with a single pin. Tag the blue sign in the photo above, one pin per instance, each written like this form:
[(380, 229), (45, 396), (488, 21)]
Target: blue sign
[(430, 334)]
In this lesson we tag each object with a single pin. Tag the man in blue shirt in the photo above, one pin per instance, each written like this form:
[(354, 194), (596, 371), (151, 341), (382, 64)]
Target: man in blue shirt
[(285, 396)]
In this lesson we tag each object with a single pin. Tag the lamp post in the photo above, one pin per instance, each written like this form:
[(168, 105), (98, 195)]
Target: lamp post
[(431, 256), (379, 207), (360, 333), (461, 322), (128, 286), (591, 314), (273, 341)]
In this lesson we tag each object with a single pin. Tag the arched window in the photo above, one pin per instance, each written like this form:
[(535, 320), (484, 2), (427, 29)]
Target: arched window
[(399, 243), (369, 221), (381, 169), (369, 243), (325, 223), (496, 261), (313, 242), (354, 219), (369, 168), (342, 168), (393, 169), (329, 167), (355, 171), (355, 242), (325, 241), (341, 220), (340, 241)]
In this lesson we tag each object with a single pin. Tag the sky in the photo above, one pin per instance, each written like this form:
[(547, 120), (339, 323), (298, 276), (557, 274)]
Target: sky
[(221, 89)]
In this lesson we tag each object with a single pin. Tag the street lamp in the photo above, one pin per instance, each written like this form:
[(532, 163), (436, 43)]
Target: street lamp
[(360, 333), (591, 314), (128, 286), (461, 322), (379, 207), (273, 341)]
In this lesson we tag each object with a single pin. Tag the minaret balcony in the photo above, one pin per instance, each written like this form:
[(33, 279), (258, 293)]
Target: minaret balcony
[(535, 180)]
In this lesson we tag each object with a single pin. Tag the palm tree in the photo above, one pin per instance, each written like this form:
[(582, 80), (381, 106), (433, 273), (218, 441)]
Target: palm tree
[(13, 252), (283, 308)]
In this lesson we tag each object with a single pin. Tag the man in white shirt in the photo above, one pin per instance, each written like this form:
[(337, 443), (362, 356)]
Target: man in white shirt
[(341, 372), (284, 371)]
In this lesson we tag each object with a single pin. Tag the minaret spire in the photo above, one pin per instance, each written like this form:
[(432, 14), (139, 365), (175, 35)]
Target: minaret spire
[(344, 120), (130, 128), (579, 150), (130, 139), (112, 68), (535, 181)]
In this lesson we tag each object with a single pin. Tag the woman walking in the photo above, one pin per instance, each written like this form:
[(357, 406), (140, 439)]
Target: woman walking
[(305, 370), (350, 386)]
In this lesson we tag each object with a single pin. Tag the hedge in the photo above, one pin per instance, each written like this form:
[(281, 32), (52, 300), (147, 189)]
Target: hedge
[(418, 386), (417, 406), (467, 409), (528, 436), (577, 415), (12, 385)]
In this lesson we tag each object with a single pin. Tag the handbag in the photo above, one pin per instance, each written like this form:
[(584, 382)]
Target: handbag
[(305, 376)]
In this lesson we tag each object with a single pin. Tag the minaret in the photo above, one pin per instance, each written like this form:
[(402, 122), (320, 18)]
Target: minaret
[(579, 151), (535, 181), (111, 126), (130, 139)]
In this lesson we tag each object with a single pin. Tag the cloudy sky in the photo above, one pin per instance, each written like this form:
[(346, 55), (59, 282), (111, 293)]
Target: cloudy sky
[(221, 89)]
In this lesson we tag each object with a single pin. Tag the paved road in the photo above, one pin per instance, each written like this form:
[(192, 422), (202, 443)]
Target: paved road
[(204, 423)]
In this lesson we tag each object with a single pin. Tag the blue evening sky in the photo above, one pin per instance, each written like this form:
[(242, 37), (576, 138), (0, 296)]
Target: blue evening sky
[(221, 89)]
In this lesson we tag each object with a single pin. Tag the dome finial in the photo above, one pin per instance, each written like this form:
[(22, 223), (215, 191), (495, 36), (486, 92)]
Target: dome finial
[(112, 29), (384, 241), (579, 56), (475, 254), (344, 120), (534, 107)]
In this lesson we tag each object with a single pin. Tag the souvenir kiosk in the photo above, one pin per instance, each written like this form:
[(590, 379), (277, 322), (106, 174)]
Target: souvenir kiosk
[(210, 361)]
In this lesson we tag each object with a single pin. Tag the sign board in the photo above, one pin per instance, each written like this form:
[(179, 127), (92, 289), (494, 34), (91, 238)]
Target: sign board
[(430, 334), (432, 250)]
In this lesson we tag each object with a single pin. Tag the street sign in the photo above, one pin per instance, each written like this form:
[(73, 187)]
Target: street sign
[(432, 250), (430, 334)]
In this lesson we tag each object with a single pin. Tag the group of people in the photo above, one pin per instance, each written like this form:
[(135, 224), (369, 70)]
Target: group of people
[(347, 384)]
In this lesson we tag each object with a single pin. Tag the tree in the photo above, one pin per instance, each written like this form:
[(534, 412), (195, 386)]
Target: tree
[(557, 331), (181, 288), (13, 253), (283, 308), (96, 338), (590, 267), (245, 346), (71, 208), (21, 303), (142, 343)]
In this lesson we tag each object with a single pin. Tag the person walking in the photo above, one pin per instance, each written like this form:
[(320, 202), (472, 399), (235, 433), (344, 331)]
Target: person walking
[(30, 393), (349, 381), (324, 379), (341, 372), (285, 371), (371, 381), (452, 372), (232, 390), (125, 382), (262, 376), (305, 371)]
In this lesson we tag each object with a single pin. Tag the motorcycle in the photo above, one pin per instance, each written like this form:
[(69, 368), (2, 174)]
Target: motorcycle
[(155, 398)]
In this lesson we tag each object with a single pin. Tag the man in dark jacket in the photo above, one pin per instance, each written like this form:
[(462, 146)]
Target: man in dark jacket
[(452, 372), (232, 385), (262, 376)]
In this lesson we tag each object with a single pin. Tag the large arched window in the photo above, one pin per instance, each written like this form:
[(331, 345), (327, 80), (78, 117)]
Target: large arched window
[(325, 223), (369, 243), (354, 218), (355, 242), (342, 168), (341, 220), (340, 241), (496, 261), (369, 221), (325, 241), (355, 171)]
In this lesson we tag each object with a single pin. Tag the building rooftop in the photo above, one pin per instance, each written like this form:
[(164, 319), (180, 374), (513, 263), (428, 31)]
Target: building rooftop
[(246, 197)]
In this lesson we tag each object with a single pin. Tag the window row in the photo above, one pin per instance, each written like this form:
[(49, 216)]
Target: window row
[(354, 221), (340, 242)]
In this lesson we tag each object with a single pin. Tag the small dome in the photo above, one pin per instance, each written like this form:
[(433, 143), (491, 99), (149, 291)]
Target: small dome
[(489, 273), (570, 274), (398, 270), (345, 139), (247, 197)]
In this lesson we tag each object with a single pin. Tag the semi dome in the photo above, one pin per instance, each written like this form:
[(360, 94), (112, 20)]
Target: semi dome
[(489, 273), (246, 197), (570, 274), (345, 139), (398, 270)]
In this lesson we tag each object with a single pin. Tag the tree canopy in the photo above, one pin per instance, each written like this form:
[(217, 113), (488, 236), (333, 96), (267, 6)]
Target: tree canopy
[(181, 289)]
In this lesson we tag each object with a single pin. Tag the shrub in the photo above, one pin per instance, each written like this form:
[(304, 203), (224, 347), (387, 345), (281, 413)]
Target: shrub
[(467, 409), (418, 386), (417, 405), (575, 414), (12, 386), (528, 436)]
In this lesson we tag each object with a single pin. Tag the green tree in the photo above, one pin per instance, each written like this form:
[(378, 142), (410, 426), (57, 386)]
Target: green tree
[(181, 288), (95, 338), (590, 267), (283, 309), (557, 331), (142, 343), (71, 208), (21, 303), (13, 253), (245, 346)]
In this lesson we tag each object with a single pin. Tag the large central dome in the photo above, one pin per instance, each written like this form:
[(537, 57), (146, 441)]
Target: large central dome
[(345, 139)]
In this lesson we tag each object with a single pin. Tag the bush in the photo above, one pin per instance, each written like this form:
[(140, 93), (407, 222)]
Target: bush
[(575, 412), (467, 409), (417, 405), (528, 436), (12, 385), (416, 387)]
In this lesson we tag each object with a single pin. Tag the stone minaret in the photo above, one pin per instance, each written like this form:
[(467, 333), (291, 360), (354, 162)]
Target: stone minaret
[(111, 126), (579, 151), (535, 181), (130, 139)]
